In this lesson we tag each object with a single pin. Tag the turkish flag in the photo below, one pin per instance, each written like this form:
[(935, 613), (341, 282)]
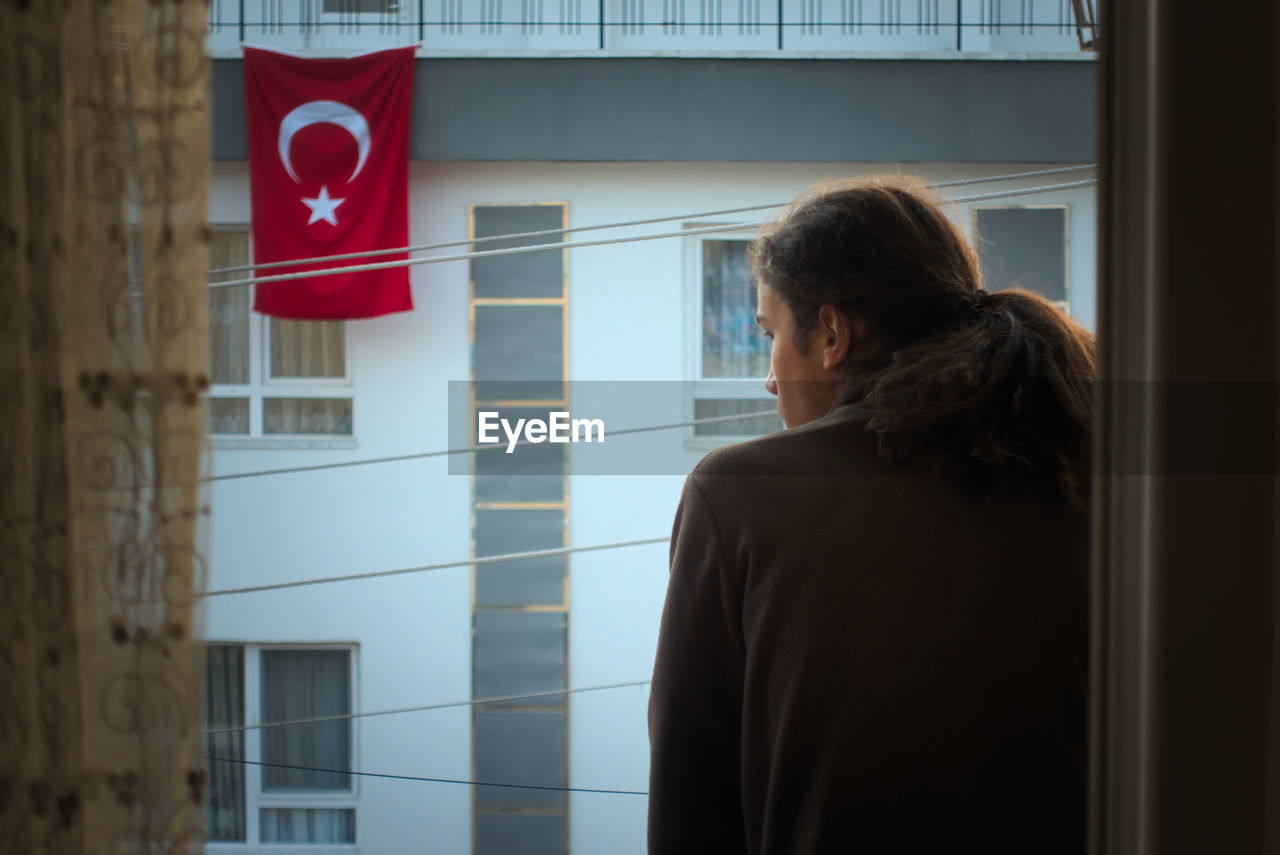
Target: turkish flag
[(329, 174)]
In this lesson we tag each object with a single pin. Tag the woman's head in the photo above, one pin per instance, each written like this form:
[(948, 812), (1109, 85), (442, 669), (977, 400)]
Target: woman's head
[(881, 296), (880, 250)]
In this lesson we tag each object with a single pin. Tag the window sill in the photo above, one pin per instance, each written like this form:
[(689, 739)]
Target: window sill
[(281, 442)]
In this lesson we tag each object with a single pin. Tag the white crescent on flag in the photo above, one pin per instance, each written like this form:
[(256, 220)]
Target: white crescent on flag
[(330, 112)]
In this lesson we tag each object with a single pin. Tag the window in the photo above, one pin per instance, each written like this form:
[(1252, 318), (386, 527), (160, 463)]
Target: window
[(730, 358), (271, 377), (306, 794), (1024, 247)]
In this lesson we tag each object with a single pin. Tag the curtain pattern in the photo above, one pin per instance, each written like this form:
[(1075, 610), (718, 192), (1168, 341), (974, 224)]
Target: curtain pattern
[(102, 361), (731, 342), (229, 331)]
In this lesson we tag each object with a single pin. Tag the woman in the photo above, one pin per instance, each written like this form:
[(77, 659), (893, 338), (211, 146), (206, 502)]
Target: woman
[(875, 632)]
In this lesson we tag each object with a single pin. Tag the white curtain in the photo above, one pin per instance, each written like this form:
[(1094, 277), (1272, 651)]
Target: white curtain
[(308, 348), (229, 310), (305, 684), (229, 333), (308, 825)]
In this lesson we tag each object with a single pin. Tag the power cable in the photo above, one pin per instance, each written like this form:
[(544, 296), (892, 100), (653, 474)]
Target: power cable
[(651, 221), (401, 571), (418, 778), (467, 256), (472, 703), (1010, 176), (475, 448)]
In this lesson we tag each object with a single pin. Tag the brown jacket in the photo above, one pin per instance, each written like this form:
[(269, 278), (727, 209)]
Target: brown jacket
[(856, 657)]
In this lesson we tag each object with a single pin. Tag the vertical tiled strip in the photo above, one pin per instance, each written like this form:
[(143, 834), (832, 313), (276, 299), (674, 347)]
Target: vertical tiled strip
[(520, 609)]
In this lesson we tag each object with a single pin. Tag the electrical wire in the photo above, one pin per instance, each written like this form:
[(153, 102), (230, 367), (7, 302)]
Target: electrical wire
[(588, 26), (422, 455), (1010, 176), (419, 778), (467, 256), (401, 571), (472, 703), (370, 253)]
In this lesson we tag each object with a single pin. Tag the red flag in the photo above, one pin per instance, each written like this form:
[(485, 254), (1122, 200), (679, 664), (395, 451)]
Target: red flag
[(329, 174)]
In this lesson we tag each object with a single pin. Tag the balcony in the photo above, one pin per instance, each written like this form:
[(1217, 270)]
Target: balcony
[(758, 28)]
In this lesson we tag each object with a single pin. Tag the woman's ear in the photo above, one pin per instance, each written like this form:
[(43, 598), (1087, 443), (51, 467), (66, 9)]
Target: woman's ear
[(840, 331)]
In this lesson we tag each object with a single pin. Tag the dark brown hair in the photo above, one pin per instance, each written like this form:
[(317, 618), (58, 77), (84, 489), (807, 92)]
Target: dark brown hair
[(999, 385)]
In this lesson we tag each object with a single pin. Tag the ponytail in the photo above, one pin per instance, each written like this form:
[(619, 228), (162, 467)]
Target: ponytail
[(1004, 396)]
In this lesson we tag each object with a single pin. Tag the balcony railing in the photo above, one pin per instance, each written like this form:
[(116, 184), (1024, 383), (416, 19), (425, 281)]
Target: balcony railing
[(693, 27)]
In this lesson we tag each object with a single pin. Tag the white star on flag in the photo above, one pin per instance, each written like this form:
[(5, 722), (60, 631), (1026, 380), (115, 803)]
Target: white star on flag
[(322, 207)]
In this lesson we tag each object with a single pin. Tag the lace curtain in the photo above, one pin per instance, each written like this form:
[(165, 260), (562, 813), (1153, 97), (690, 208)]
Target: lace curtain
[(103, 359), (307, 349), (228, 311)]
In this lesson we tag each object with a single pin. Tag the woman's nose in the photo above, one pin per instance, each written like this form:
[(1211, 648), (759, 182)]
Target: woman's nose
[(771, 384)]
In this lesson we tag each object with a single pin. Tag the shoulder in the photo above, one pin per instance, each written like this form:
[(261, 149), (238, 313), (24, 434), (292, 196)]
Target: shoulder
[(837, 442)]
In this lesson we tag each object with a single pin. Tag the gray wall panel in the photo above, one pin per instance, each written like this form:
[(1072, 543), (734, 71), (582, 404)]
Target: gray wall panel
[(520, 834), (523, 748), (1024, 248), (518, 653), (227, 119), (533, 274), (515, 345), (531, 582), (792, 110)]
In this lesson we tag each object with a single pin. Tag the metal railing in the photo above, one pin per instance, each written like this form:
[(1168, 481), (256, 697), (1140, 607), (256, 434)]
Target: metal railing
[(651, 26)]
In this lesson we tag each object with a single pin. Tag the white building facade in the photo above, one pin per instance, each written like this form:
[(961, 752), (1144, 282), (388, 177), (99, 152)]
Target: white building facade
[(640, 333)]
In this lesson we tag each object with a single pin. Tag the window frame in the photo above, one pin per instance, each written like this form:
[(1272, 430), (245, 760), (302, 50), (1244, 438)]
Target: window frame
[(975, 237), (705, 388), (255, 798), (262, 385)]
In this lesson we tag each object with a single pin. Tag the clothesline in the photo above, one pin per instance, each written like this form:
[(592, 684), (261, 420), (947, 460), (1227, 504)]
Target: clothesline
[(646, 222), (426, 707), (402, 571), (467, 256), (243, 762)]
